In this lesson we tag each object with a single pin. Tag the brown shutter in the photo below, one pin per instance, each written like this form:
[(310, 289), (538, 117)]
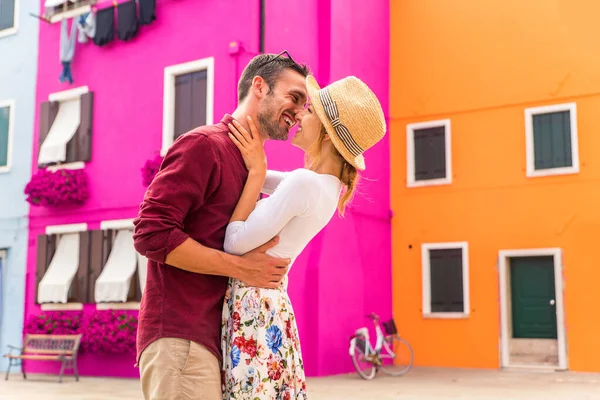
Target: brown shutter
[(199, 82), (96, 261), (48, 112), (136, 281), (46, 246), (183, 104), (84, 133), (109, 235), (81, 278)]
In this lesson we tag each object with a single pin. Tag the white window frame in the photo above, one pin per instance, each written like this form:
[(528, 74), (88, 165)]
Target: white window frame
[(11, 129), (411, 180), (60, 230), (118, 224), (426, 266), (15, 28), (168, 130), (66, 95), (529, 144), (74, 12)]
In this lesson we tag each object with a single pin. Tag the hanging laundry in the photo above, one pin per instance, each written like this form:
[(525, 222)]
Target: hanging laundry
[(147, 11), (127, 20), (67, 49), (87, 27), (105, 26)]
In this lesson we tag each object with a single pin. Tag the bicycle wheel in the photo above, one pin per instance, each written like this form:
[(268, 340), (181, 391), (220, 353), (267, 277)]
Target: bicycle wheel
[(363, 366), (400, 351)]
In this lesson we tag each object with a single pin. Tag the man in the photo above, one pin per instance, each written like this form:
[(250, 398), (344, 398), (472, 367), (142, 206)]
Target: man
[(181, 229)]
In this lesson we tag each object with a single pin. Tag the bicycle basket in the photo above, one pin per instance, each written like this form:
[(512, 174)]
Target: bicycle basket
[(390, 327)]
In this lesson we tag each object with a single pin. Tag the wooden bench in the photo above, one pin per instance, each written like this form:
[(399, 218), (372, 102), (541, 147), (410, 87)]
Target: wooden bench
[(61, 348)]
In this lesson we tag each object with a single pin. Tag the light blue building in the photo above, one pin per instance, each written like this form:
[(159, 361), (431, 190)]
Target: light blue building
[(18, 66)]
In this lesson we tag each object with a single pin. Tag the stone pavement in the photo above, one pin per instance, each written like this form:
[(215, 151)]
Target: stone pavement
[(420, 383)]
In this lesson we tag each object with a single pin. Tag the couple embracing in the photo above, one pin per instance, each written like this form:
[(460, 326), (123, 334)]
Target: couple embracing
[(216, 321)]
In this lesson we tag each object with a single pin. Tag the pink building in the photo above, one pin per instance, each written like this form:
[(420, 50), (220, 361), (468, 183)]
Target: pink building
[(128, 101)]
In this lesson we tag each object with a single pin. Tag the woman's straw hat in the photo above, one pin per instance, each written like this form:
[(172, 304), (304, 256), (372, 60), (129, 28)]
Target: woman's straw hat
[(351, 114)]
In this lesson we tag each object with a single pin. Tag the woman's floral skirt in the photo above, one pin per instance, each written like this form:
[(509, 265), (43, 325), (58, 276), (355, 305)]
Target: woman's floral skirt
[(261, 348)]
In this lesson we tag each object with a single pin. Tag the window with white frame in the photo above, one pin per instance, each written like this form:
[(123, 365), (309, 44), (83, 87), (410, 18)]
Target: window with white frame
[(9, 12), (188, 99), (445, 279), (62, 265), (429, 160), (65, 130), (551, 140), (7, 118), (56, 10), (123, 275)]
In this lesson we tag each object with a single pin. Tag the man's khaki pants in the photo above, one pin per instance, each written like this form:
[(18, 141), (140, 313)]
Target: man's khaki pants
[(178, 369)]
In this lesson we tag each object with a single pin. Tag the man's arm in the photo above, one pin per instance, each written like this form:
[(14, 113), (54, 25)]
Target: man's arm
[(255, 268), (188, 175)]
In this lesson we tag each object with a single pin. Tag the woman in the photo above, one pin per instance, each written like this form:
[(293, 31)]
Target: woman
[(261, 348)]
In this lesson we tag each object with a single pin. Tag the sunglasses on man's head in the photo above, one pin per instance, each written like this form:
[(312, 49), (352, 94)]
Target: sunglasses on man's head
[(275, 58)]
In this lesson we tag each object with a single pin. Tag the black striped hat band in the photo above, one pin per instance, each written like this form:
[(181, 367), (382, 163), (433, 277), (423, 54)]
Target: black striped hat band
[(334, 117)]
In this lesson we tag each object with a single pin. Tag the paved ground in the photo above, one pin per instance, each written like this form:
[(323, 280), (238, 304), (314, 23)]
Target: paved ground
[(420, 383)]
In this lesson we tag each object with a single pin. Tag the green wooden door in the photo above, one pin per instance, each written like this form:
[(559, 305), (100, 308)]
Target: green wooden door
[(533, 297)]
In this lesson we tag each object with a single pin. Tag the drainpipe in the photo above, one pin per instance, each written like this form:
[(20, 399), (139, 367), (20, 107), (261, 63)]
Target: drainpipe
[(261, 27)]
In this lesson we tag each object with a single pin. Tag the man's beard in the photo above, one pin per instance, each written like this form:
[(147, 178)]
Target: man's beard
[(268, 123)]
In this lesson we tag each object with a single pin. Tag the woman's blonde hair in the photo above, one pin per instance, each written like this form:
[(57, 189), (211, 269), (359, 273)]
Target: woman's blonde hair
[(349, 176)]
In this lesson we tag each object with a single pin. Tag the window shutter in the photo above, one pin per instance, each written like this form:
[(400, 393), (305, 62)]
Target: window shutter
[(81, 290), (84, 133), (7, 14), (552, 140), (97, 261), (183, 104), (446, 280), (136, 281), (430, 153), (48, 112), (46, 246), (199, 82)]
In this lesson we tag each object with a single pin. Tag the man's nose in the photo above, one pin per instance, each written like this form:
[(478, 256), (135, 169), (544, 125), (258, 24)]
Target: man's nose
[(299, 115)]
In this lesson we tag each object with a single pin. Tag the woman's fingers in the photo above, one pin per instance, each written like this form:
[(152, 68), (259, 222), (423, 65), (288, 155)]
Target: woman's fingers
[(243, 132), (240, 138), (236, 142), (253, 129)]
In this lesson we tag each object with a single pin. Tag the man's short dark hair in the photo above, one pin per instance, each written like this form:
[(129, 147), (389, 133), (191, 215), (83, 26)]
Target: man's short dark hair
[(268, 67)]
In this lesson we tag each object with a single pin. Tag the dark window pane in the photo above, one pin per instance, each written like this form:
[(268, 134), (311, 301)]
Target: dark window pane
[(430, 153), (446, 280), (552, 140), (7, 14), (4, 124)]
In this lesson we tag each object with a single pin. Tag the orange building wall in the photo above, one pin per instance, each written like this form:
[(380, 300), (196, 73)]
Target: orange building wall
[(480, 64)]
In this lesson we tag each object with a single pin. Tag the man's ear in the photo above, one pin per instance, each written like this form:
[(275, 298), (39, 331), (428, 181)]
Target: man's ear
[(259, 87)]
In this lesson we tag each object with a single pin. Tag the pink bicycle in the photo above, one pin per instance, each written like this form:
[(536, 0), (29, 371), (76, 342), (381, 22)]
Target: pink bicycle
[(389, 346)]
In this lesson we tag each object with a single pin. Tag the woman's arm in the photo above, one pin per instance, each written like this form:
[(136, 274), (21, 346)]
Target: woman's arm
[(253, 152), (292, 198), (272, 180)]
